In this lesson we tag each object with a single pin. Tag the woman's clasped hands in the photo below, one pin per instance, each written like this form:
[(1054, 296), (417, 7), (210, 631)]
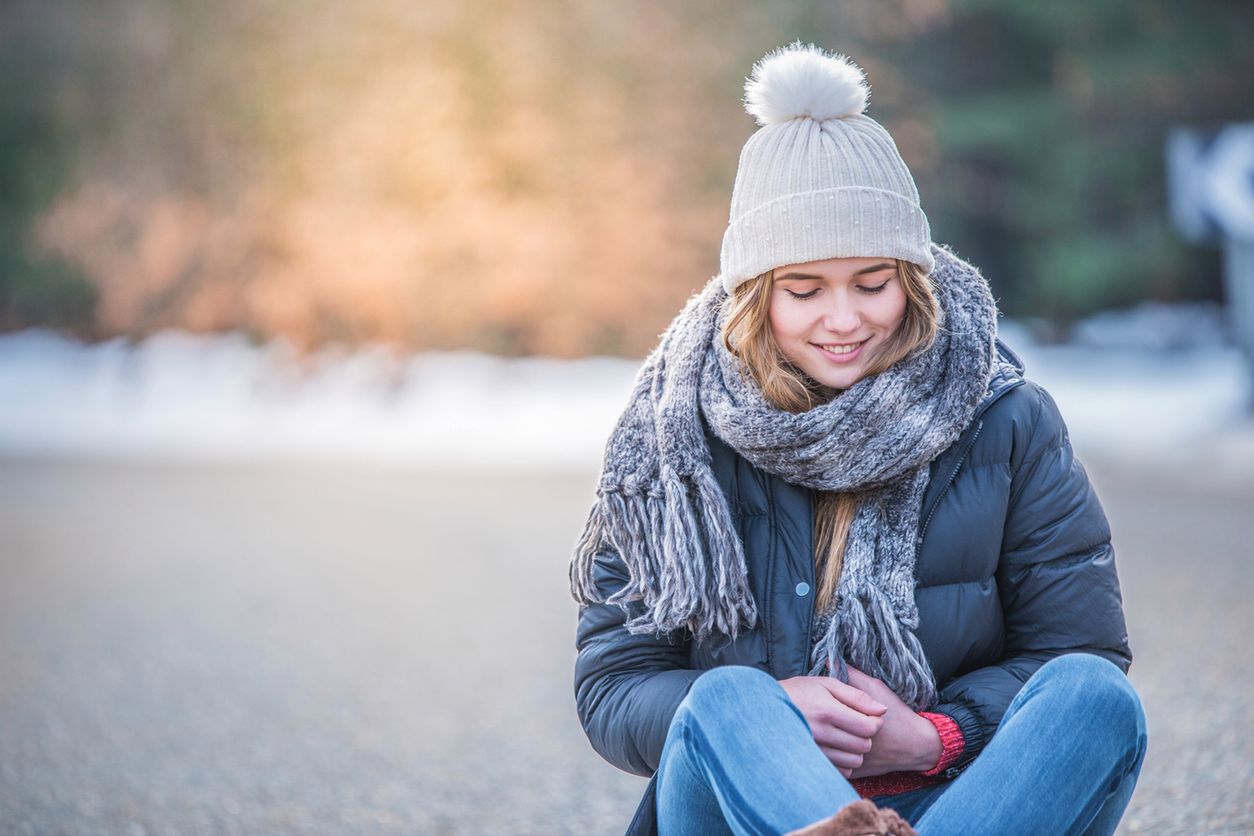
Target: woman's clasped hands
[(863, 727)]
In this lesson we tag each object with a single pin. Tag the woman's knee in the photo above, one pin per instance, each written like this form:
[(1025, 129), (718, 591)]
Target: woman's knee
[(1093, 676), (1098, 687), (736, 690)]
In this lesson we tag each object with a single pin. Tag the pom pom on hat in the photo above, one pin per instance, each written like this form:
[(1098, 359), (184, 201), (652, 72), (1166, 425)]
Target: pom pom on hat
[(804, 80)]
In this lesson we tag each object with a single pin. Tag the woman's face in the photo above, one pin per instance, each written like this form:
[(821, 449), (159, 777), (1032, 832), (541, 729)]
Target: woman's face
[(829, 317)]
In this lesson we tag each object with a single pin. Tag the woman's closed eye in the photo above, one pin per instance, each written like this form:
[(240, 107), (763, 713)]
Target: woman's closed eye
[(860, 287)]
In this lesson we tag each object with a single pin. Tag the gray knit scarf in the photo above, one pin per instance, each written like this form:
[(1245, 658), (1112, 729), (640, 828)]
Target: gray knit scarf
[(660, 508)]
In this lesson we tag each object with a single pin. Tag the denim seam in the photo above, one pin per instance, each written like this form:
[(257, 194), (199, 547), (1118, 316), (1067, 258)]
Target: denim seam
[(691, 732)]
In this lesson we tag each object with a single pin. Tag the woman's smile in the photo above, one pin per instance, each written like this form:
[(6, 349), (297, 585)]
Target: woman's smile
[(842, 352)]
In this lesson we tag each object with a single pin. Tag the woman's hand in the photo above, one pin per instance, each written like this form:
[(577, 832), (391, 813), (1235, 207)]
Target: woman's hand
[(842, 718), (905, 742)]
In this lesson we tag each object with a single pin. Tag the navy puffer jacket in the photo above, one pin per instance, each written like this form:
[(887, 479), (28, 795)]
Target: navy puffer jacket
[(1014, 567)]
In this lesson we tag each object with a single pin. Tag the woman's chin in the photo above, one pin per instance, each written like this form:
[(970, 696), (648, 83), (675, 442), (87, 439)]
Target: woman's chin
[(836, 382), (822, 392)]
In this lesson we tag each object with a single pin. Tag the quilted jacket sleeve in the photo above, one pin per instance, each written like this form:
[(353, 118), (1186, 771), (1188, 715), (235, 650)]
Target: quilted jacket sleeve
[(627, 687), (1056, 577)]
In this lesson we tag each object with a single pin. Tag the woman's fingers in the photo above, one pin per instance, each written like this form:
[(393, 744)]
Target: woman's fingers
[(835, 738), (846, 762), (844, 750), (850, 720), (836, 725), (853, 697)]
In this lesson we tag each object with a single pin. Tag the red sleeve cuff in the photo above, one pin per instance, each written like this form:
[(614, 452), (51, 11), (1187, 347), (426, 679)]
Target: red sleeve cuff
[(951, 740)]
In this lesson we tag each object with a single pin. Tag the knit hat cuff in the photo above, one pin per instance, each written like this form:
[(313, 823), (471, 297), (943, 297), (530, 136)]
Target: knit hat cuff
[(843, 222)]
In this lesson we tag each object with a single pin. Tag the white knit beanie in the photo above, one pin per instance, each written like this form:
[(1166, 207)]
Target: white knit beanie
[(818, 179)]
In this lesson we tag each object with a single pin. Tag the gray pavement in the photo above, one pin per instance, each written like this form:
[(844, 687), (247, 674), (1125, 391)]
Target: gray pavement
[(227, 649)]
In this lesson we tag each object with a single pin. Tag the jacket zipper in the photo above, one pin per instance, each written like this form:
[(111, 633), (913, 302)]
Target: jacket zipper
[(767, 621), (918, 542), (814, 589)]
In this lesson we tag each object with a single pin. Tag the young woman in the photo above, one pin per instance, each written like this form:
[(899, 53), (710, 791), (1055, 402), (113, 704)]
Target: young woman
[(844, 573)]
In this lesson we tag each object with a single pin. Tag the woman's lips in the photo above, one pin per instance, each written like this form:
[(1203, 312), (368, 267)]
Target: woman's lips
[(847, 357)]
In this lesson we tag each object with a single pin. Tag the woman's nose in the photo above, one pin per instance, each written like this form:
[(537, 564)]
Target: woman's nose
[(842, 318)]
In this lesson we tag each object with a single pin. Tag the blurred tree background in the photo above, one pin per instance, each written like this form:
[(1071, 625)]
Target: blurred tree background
[(554, 178)]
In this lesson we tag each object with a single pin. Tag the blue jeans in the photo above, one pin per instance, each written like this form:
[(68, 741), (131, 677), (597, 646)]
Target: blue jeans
[(740, 758)]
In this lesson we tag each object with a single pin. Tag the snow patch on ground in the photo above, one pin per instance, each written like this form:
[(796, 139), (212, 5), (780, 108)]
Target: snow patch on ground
[(1124, 389)]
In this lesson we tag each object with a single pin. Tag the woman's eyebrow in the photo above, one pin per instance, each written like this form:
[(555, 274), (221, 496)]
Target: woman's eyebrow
[(874, 268)]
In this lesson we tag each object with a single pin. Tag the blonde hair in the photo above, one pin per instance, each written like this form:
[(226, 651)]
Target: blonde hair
[(747, 335)]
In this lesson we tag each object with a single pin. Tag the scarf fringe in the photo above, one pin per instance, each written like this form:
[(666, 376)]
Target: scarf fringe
[(868, 633), (655, 533)]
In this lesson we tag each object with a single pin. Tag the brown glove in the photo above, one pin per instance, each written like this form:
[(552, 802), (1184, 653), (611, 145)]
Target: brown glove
[(861, 818)]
